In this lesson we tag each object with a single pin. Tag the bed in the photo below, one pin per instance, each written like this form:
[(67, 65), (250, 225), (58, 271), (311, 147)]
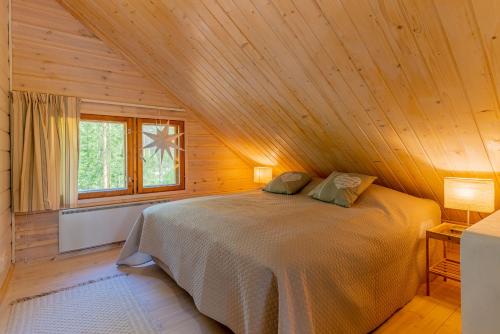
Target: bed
[(267, 263)]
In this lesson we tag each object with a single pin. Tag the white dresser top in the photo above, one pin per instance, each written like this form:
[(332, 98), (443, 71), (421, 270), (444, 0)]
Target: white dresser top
[(488, 226)]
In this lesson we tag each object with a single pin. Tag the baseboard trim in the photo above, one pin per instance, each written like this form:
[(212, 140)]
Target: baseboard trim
[(85, 251), (75, 253)]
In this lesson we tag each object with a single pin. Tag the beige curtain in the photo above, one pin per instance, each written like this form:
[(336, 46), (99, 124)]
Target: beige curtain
[(45, 151)]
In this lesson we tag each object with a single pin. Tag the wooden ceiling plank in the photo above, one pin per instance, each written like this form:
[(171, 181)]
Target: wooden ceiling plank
[(403, 102), (247, 45), (341, 102), (391, 69), (285, 100), (248, 30), (350, 87), (355, 74), (476, 64), (436, 105), (260, 94), (384, 58), (433, 106), (263, 96), (221, 74), (432, 43), (254, 28)]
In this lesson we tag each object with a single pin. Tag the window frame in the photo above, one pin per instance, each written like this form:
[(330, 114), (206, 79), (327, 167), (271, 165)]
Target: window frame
[(129, 153), (134, 162), (182, 156)]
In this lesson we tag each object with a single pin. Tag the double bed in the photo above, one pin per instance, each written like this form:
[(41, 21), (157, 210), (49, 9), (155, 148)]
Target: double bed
[(268, 263)]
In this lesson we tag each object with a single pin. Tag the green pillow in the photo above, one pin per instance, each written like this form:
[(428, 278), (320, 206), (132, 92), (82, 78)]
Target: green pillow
[(342, 188), (288, 183)]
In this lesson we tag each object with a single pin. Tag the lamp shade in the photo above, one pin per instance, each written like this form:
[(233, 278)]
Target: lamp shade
[(469, 194), (262, 174)]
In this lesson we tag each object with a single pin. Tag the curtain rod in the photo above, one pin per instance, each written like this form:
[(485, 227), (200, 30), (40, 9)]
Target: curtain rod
[(144, 106)]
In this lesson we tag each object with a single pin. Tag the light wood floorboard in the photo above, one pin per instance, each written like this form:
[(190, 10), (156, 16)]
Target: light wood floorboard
[(173, 310)]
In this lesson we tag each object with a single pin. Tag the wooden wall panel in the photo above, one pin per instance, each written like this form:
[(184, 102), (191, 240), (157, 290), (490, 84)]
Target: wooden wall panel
[(5, 213), (405, 90), (54, 53), (37, 236)]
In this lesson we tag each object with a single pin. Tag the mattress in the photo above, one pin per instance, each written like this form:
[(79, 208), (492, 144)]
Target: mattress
[(268, 263)]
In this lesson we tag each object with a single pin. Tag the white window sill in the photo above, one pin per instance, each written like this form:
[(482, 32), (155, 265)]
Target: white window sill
[(84, 203)]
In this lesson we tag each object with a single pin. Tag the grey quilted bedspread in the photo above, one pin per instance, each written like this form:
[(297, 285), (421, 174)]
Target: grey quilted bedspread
[(267, 263)]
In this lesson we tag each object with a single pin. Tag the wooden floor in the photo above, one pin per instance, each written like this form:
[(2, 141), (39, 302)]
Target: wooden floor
[(173, 311)]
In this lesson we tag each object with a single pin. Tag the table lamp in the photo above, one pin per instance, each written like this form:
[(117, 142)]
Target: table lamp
[(262, 174), (469, 194)]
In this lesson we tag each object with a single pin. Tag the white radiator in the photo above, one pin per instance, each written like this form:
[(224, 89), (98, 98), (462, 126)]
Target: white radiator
[(90, 227)]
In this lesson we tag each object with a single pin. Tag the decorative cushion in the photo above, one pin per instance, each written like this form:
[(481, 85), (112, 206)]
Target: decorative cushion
[(342, 188), (288, 183)]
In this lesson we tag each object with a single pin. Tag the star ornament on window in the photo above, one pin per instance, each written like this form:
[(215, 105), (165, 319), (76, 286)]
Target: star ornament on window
[(163, 141)]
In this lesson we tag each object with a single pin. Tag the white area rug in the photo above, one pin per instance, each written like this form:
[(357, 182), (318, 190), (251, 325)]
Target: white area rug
[(106, 306)]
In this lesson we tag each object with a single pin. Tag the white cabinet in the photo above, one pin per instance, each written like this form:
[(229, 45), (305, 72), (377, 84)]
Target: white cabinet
[(480, 255)]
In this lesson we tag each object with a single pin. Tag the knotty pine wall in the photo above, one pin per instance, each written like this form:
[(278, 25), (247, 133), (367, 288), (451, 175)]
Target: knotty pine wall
[(54, 53), (5, 229)]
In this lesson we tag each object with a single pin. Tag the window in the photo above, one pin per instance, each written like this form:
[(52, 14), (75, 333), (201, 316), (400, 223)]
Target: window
[(103, 167), (157, 173), (113, 161)]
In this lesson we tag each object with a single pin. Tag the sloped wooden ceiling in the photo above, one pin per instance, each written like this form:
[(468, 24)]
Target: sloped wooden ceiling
[(405, 90)]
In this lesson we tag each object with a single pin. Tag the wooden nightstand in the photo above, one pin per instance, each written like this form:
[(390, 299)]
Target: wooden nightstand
[(447, 268)]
